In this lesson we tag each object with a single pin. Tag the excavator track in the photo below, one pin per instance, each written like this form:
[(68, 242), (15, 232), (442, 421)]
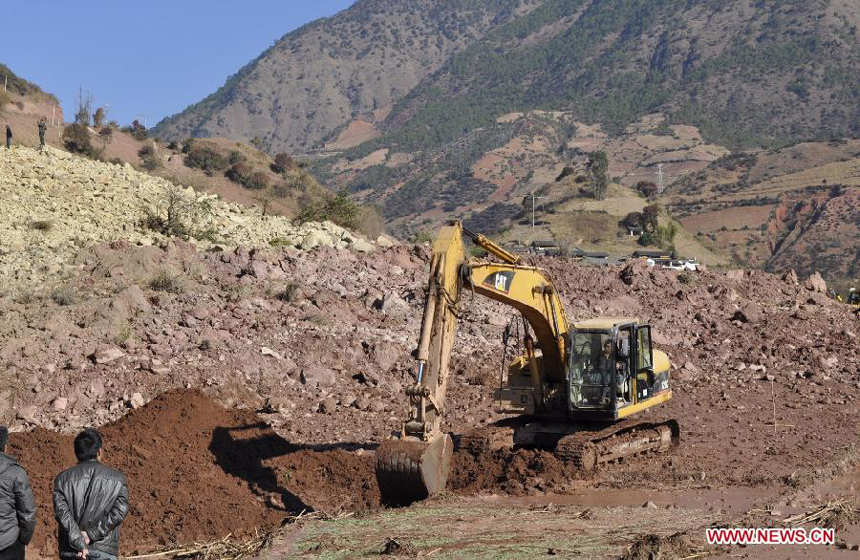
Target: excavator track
[(587, 450)]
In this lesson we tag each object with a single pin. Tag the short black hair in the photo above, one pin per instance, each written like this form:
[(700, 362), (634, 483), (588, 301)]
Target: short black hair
[(4, 437), (87, 444)]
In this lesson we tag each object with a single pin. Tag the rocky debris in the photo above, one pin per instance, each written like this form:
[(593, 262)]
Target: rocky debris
[(107, 355), (79, 202), (318, 376), (635, 269), (816, 283), (392, 304), (750, 313), (338, 362), (790, 277)]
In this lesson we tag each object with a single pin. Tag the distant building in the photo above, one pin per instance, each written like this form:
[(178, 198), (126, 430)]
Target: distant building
[(659, 254), (544, 247)]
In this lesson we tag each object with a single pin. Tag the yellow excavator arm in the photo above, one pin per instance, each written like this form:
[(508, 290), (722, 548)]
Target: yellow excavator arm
[(411, 472)]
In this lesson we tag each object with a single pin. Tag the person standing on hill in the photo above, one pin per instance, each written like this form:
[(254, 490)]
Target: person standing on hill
[(90, 502), (17, 506), (8, 137), (43, 126)]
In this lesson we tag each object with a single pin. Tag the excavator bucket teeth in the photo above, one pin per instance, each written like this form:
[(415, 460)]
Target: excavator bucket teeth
[(410, 471)]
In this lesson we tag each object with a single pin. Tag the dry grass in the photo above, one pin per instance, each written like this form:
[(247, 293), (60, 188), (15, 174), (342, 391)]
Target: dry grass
[(836, 514)]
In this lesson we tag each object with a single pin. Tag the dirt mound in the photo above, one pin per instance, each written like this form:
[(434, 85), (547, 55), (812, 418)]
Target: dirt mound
[(198, 471), (517, 472)]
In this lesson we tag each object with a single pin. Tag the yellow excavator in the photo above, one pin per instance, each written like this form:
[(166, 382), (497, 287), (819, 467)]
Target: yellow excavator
[(573, 387)]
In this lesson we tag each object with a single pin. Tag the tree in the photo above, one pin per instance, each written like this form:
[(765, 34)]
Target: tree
[(99, 116), (83, 108), (598, 165), (138, 131), (283, 163), (650, 216), (647, 188), (76, 139), (106, 135)]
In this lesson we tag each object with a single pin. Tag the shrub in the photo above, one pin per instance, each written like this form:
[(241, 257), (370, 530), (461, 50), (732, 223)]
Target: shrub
[(206, 159), (187, 145), (76, 139), (106, 136), (283, 163), (370, 222), (173, 145), (257, 181), (176, 215), (4, 99), (340, 210), (42, 225), (165, 282), (148, 157), (64, 296), (238, 172), (236, 157), (289, 293)]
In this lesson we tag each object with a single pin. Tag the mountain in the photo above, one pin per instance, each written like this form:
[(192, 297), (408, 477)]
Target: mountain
[(519, 90), (320, 77)]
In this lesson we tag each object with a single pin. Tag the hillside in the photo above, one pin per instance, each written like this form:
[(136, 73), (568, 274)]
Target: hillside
[(796, 207), (766, 72), (57, 204), (311, 83)]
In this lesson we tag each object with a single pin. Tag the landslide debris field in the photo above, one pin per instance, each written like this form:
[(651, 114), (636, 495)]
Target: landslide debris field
[(284, 369), (238, 387)]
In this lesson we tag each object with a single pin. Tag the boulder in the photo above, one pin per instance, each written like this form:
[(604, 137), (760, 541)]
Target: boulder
[(107, 355), (318, 376), (136, 400), (316, 238), (362, 246), (816, 283), (394, 305), (751, 313), (817, 298), (384, 242), (790, 277), (633, 270), (328, 405)]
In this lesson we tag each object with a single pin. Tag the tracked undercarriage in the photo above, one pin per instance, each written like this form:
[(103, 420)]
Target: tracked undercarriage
[(584, 446)]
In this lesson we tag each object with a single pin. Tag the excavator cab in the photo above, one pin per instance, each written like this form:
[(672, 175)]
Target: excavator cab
[(613, 370)]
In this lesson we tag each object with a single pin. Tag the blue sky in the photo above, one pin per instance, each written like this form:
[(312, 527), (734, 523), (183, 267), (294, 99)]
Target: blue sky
[(149, 58)]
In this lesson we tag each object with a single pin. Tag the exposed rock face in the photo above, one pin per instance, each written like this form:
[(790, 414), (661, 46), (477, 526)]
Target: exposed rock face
[(55, 204)]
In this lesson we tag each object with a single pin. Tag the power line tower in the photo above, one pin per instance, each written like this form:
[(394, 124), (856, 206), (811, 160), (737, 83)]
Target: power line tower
[(660, 178), (533, 210)]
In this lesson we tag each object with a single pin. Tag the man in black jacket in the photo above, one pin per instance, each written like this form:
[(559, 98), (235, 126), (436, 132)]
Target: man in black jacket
[(17, 507), (90, 501)]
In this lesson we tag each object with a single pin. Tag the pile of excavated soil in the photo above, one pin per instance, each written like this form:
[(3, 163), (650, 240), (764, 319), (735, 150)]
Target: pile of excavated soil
[(198, 471)]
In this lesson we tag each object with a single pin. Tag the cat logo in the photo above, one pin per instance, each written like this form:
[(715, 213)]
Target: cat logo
[(500, 281)]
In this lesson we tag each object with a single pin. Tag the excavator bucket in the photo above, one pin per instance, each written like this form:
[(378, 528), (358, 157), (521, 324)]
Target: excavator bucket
[(409, 471)]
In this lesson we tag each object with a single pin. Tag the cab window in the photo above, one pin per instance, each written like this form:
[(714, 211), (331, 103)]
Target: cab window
[(643, 356)]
